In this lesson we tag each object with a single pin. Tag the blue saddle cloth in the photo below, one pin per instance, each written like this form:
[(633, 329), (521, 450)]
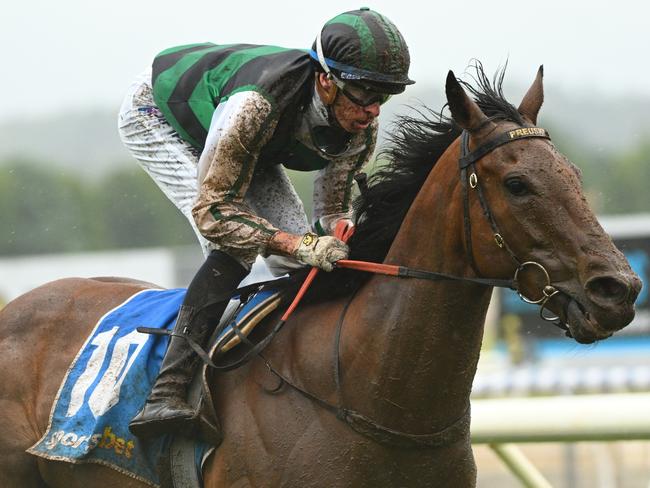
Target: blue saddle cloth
[(107, 384)]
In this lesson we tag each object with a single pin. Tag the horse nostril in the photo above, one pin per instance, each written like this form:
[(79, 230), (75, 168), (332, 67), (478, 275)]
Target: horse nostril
[(634, 289), (607, 289)]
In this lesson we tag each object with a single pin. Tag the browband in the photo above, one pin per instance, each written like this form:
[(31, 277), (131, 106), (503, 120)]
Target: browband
[(468, 158)]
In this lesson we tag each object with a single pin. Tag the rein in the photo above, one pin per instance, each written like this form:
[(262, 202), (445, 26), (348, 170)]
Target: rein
[(405, 272)]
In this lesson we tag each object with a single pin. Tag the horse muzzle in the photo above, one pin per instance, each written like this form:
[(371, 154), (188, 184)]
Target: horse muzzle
[(603, 306)]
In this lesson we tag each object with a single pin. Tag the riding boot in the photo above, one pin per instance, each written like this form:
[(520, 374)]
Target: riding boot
[(166, 409)]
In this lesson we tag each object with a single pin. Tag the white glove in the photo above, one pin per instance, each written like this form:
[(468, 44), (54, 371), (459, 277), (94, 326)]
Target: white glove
[(321, 252)]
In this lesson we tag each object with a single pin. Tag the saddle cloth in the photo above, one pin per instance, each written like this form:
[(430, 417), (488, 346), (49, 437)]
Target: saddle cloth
[(110, 379)]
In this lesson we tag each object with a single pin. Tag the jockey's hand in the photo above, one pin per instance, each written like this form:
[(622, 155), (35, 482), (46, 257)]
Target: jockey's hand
[(321, 252)]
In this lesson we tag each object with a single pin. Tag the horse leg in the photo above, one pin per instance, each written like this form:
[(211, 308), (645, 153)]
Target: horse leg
[(18, 469), (18, 422)]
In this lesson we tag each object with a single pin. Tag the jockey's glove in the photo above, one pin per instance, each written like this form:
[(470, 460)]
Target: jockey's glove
[(321, 252)]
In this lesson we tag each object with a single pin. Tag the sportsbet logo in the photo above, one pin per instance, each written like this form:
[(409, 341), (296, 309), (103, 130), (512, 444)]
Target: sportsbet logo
[(107, 440)]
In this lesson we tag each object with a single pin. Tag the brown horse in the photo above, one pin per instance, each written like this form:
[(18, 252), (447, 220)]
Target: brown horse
[(398, 355)]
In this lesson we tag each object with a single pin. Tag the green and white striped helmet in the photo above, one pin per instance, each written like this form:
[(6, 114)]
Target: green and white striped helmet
[(364, 46)]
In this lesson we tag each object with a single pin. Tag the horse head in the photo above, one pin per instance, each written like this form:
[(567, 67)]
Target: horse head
[(530, 219)]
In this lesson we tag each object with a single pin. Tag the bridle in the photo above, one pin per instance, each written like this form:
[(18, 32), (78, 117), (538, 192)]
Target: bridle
[(467, 164)]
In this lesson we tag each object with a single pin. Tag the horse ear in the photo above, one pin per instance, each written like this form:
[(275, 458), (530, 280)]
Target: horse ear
[(464, 110), (534, 98)]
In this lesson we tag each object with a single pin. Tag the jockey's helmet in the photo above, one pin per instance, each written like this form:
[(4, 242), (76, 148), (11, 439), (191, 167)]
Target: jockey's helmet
[(362, 47)]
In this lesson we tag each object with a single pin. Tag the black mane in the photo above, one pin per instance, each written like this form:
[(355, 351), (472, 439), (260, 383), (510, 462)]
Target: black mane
[(414, 145), (489, 96)]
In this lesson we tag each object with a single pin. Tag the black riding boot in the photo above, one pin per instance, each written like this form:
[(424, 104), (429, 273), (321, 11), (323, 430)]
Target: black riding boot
[(166, 409)]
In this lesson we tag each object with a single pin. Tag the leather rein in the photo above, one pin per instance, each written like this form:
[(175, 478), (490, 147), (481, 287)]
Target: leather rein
[(357, 421)]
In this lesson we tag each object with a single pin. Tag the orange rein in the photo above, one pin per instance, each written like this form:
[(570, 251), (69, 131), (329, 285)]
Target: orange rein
[(377, 268), (344, 231)]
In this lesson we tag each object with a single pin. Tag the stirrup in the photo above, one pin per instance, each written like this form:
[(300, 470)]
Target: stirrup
[(155, 420)]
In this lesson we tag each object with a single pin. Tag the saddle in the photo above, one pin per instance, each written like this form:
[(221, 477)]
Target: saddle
[(241, 316)]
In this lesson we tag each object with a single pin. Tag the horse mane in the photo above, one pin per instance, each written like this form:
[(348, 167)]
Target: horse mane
[(414, 145), (489, 96)]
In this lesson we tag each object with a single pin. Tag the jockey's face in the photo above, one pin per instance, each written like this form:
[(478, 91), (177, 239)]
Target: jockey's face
[(351, 117)]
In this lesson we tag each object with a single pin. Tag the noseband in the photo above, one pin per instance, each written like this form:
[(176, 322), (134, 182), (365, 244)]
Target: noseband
[(467, 164)]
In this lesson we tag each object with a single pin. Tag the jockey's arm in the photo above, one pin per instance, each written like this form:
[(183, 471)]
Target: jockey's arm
[(239, 130), (240, 127)]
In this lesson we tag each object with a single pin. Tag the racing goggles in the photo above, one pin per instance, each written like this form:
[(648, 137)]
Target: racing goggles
[(358, 94)]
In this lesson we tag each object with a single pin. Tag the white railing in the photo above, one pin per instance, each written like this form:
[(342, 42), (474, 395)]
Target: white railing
[(502, 422)]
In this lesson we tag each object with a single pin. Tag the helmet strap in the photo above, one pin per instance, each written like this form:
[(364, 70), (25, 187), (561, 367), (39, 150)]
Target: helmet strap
[(331, 117), (328, 96), (321, 56)]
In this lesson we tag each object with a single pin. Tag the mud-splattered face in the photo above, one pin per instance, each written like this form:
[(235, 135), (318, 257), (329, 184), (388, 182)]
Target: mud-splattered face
[(351, 117)]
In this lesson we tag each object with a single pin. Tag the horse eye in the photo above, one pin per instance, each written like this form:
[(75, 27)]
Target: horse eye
[(516, 186)]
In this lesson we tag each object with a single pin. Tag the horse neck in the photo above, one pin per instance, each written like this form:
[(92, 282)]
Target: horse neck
[(416, 341)]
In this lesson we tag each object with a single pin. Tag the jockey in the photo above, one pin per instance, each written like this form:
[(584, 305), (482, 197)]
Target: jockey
[(214, 124)]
